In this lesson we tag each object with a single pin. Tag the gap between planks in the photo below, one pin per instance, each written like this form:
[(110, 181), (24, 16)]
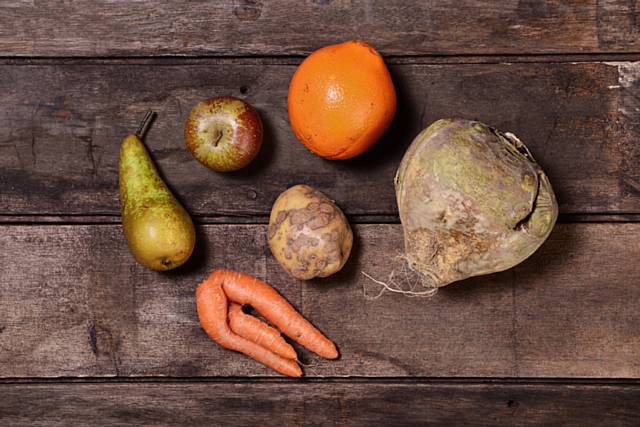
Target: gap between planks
[(297, 59), (263, 219), (551, 381)]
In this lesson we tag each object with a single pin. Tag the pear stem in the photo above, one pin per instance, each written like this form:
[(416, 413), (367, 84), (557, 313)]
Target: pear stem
[(145, 123)]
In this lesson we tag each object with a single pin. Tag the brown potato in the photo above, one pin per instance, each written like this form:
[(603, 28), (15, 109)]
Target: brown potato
[(308, 234)]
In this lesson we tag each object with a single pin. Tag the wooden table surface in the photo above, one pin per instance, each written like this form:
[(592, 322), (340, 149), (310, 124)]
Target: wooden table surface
[(89, 337)]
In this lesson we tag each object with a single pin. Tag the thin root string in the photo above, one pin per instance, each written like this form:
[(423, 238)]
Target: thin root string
[(309, 367), (386, 287), (418, 281), (300, 362)]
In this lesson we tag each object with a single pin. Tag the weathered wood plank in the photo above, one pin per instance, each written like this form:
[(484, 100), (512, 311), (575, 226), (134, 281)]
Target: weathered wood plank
[(219, 219), (247, 27), (61, 128), (74, 303), (322, 403)]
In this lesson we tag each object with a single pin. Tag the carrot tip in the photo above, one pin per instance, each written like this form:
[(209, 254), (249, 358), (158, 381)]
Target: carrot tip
[(291, 354), (331, 355), (293, 370)]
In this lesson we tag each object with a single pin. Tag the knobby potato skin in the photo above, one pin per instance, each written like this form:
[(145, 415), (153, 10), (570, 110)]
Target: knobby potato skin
[(472, 201), (308, 234)]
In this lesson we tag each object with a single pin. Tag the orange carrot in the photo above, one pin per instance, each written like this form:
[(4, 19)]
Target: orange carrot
[(211, 303), (245, 289), (253, 329)]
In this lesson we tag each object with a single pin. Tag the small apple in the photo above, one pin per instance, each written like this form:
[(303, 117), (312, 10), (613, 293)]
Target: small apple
[(223, 133)]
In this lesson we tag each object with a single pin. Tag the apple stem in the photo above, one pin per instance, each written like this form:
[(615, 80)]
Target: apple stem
[(144, 124), (219, 136)]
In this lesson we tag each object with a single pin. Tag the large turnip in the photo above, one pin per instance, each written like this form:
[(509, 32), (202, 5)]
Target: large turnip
[(472, 201)]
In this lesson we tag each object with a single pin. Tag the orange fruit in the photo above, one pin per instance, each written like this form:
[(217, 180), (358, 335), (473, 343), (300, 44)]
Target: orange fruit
[(341, 100)]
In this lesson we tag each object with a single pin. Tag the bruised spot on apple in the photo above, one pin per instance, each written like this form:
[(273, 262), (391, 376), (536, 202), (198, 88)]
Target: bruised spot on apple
[(223, 133)]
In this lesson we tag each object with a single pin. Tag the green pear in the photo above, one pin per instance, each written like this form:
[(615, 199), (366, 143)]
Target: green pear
[(158, 229)]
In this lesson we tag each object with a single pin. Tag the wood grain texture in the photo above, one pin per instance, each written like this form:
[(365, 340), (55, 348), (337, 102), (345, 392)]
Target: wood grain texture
[(323, 403), (76, 304), (62, 125), (285, 27)]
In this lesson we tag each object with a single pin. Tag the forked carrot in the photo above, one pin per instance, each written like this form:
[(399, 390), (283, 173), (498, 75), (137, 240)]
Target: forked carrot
[(245, 289), (211, 303), (255, 330), (224, 287)]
